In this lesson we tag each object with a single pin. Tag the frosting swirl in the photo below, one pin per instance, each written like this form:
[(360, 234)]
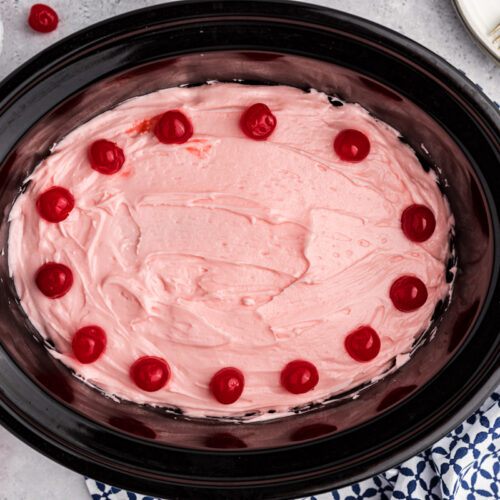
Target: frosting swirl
[(226, 251)]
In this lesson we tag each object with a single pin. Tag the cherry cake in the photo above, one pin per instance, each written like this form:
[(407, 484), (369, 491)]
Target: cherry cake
[(229, 249)]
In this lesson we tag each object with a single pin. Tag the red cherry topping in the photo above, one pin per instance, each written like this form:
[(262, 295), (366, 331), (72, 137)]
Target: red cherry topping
[(351, 145), (227, 385), (54, 280), (55, 204), (106, 157), (89, 343), (299, 376), (408, 293), (257, 122), (150, 373), (362, 344), (173, 127), (418, 223), (43, 18)]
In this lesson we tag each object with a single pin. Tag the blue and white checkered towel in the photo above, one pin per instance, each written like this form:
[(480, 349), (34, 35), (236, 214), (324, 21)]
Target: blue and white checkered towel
[(464, 465)]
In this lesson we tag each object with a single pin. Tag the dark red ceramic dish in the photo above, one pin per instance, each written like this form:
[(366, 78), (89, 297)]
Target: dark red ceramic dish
[(432, 104)]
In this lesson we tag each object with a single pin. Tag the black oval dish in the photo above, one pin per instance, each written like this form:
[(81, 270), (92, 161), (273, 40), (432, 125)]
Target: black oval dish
[(439, 112)]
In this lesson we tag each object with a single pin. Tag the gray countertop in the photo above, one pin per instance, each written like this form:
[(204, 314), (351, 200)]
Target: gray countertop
[(27, 475)]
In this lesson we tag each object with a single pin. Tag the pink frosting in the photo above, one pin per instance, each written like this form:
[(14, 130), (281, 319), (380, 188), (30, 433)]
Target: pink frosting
[(225, 251)]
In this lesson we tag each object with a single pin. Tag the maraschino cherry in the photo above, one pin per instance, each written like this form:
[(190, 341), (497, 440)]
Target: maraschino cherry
[(408, 293), (299, 376), (54, 280), (150, 373), (43, 18), (351, 145), (106, 157), (418, 223), (257, 122), (55, 204), (363, 344), (173, 127), (227, 385), (89, 343)]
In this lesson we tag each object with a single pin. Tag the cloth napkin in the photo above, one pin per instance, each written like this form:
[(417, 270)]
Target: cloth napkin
[(464, 465)]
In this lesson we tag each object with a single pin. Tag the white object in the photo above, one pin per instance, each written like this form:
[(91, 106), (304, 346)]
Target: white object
[(480, 18)]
